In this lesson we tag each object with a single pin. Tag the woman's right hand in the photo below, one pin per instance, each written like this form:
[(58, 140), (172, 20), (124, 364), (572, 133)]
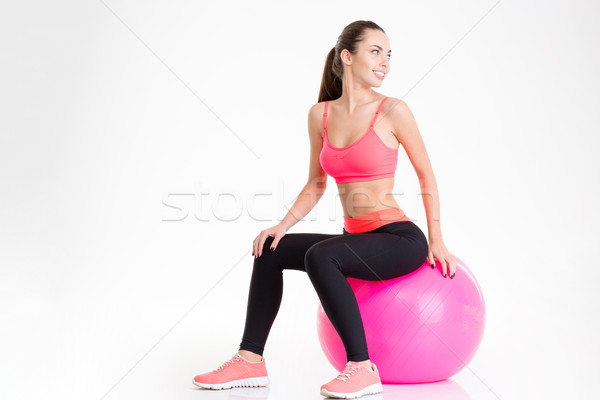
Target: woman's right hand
[(277, 232)]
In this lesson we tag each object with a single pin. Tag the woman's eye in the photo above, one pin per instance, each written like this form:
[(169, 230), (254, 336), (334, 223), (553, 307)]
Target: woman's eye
[(389, 55)]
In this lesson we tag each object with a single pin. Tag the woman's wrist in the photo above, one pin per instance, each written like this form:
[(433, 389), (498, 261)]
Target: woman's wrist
[(435, 238), (284, 225)]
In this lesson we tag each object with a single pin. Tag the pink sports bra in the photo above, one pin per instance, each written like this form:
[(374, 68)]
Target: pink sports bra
[(366, 159)]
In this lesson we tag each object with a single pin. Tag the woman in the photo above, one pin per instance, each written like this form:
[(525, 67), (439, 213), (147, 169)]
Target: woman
[(378, 241)]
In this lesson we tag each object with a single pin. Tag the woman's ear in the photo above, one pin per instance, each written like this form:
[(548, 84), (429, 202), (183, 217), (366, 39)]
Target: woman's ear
[(346, 57)]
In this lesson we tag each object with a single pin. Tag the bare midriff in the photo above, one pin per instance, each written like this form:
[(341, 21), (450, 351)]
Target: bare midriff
[(369, 205)]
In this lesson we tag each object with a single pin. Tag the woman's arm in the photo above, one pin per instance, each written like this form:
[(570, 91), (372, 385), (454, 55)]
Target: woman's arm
[(407, 133), (317, 178), (311, 192)]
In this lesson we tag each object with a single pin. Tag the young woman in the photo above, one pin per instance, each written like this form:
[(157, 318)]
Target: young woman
[(378, 241)]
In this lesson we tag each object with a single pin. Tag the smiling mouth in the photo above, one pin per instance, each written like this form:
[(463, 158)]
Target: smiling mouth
[(379, 73)]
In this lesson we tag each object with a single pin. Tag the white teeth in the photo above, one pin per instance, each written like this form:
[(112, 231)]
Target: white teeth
[(379, 73)]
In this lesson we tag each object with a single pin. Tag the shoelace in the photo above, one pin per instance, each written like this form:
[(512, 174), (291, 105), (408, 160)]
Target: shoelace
[(231, 360), (348, 372)]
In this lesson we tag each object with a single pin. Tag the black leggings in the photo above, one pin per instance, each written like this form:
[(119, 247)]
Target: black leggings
[(390, 251)]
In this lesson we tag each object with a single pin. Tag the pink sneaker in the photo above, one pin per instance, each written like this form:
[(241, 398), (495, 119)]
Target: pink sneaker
[(235, 372), (354, 381)]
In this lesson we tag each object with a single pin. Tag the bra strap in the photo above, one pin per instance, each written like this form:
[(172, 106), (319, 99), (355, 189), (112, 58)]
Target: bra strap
[(325, 117), (378, 111)]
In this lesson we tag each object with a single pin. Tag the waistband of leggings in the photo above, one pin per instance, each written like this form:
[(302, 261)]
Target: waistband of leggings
[(373, 220)]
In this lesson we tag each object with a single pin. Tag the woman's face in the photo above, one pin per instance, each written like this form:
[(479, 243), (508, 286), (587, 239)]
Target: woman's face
[(371, 64)]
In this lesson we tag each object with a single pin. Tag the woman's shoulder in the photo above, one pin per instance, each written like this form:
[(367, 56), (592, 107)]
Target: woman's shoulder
[(392, 101), (316, 119), (395, 106), (317, 109)]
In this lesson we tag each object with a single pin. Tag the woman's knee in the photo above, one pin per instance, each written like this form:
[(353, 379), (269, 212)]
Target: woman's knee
[(282, 256), (267, 259), (318, 258), (267, 244)]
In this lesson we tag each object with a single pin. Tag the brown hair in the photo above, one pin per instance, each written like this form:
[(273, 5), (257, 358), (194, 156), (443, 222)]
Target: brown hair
[(351, 36)]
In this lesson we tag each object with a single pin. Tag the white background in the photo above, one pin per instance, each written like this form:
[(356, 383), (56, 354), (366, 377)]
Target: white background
[(112, 111)]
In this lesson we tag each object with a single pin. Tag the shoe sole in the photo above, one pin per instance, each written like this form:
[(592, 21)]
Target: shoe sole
[(246, 382), (373, 389)]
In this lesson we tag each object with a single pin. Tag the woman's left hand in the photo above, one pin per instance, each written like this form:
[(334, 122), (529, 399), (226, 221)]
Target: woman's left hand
[(437, 249)]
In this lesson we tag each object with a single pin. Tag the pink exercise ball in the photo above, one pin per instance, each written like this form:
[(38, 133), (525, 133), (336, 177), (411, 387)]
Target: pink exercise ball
[(420, 327)]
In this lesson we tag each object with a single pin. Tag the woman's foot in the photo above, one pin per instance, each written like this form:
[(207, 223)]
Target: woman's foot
[(235, 372), (354, 381)]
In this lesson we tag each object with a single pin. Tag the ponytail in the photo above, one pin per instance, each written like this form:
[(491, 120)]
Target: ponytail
[(331, 83)]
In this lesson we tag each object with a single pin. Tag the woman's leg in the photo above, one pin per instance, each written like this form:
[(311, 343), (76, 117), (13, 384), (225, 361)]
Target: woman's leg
[(266, 284), (387, 252), (331, 259)]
